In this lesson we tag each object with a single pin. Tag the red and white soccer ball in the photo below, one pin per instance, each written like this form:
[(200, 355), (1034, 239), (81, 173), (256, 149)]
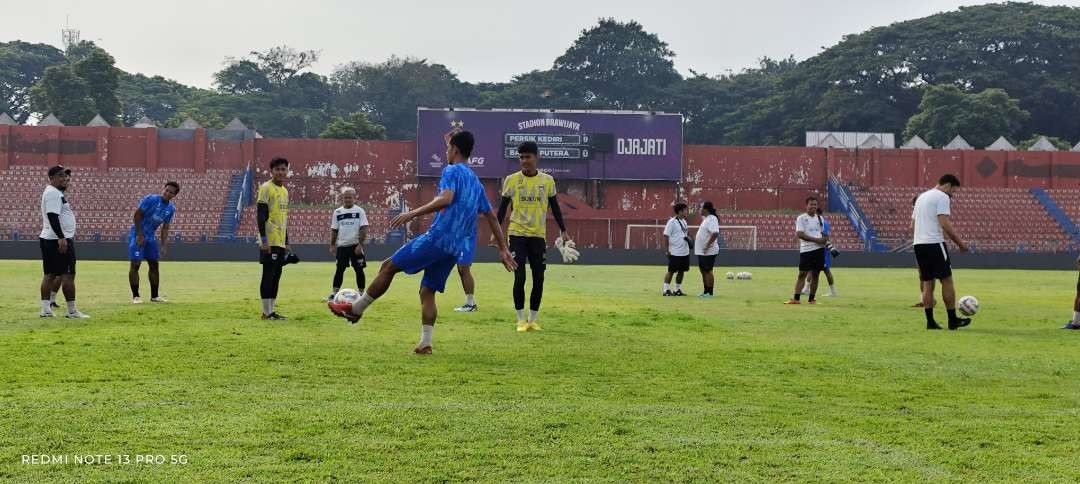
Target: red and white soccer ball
[(968, 305), (347, 296)]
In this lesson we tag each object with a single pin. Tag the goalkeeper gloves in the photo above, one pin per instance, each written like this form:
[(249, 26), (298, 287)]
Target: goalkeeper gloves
[(568, 250)]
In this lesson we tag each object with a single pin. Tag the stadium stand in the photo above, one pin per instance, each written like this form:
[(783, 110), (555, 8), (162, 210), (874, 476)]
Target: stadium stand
[(989, 219), (104, 202)]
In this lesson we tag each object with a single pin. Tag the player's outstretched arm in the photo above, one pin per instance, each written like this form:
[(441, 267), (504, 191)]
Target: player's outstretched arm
[(443, 200), (497, 234), (947, 227)]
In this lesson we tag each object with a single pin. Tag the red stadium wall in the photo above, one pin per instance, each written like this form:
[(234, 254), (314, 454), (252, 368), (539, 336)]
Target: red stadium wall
[(739, 178)]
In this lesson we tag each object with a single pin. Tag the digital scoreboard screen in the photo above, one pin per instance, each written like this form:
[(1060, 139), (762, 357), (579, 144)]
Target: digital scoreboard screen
[(573, 144)]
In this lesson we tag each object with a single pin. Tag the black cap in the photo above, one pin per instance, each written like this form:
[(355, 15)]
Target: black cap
[(57, 169)]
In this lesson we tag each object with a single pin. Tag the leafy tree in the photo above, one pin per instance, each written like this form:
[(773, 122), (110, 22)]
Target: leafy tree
[(263, 71), (205, 119), (391, 91), (981, 118), (355, 126), (22, 65), (241, 77), (618, 65), (155, 97), (535, 89), (98, 69), (62, 92)]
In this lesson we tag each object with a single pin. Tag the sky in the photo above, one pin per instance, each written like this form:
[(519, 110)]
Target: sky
[(479, 40)]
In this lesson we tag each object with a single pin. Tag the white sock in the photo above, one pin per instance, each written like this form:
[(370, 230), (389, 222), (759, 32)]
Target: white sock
[(678, 286), (52, 296), (425, 334), (832, 288), (71, 306), (532, 316), (1076, 316), (666, 287), (521, 314), (45, 308), (470, 300), (266, 306), (359, 306)]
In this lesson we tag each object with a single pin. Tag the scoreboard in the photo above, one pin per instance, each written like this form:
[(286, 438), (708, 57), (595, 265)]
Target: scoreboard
[(614, 145)]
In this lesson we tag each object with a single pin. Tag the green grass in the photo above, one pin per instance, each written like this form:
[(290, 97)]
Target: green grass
[(621, 384)]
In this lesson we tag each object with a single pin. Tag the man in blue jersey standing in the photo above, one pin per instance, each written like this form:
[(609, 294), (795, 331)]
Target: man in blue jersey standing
[(143, 244), (461, 197)]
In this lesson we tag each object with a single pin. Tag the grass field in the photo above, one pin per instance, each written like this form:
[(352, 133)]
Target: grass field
[(621, 384)]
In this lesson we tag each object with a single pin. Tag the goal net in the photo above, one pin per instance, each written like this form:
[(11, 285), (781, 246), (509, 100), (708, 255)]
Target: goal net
[(732, 237)]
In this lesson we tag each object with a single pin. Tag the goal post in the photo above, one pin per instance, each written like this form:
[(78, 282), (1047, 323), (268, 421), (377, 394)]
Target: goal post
[(734, 237)]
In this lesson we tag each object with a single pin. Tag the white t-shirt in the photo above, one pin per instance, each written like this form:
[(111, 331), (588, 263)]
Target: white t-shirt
[(810, 225), (676, 233), (928, 206), (54, 201), (710, 225), (348, 221)]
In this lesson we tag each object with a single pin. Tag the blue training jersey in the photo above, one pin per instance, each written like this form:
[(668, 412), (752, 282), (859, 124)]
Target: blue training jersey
[(156, 211), (454, 227)]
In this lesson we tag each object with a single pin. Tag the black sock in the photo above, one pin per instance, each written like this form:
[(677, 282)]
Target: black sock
[(929, 316), (797, 295), (134, 290), (811, 298), (153, 291), (952, 314)]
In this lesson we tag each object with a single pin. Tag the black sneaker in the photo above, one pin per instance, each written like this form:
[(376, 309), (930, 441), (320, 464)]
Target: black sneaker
[(52, 304), (678, 292), (959, 323), (1071, 325), (276, 317), (667, 293), (932, 326)]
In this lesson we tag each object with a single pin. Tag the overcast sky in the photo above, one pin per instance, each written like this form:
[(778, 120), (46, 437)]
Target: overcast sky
[(480, 40)]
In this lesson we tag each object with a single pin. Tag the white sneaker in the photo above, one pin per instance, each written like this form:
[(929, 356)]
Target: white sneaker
[(136, 300), (47, 314), (77, 315), (159, 299), (466, 308)]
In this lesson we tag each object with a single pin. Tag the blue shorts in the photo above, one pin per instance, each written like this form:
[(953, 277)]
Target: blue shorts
[(421, 254), (466, 257), (149, 251), (828, 259)]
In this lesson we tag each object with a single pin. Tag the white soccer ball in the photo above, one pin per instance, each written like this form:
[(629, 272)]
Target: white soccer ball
[(347, 295), (968, 305), (730, 275), (742, 276), (748, 275)]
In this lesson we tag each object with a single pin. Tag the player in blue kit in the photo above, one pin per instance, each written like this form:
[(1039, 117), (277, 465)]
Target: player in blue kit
[(154, 211), (461, 198)]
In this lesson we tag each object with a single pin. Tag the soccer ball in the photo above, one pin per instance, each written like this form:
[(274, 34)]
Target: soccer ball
[(968, 305), (747, 275), (730, 275), (347, 295)]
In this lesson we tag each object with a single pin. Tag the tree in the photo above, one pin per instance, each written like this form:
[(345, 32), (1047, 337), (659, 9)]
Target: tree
[(946, 111), (355, 126), (155, 97), (98, 69), (78, 89), (22, 65), (63, 93), (534, 89), (618, 65), (264, 71), (205, 119), (391, 91), (241, 77)]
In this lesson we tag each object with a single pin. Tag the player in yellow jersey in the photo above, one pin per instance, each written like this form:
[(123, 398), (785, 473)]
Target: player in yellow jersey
[(530, 193), (272, 218)]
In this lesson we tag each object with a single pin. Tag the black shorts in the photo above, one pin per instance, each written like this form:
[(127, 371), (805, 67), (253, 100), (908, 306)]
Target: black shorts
[(933, 261), (530, 249), (52, 261), (276, 256), (706, 262), (813, 261), (346, 255), (678, 263)]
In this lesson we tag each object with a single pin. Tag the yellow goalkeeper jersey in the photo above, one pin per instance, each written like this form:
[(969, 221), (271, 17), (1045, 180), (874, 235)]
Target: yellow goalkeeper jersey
[(529, 197)]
